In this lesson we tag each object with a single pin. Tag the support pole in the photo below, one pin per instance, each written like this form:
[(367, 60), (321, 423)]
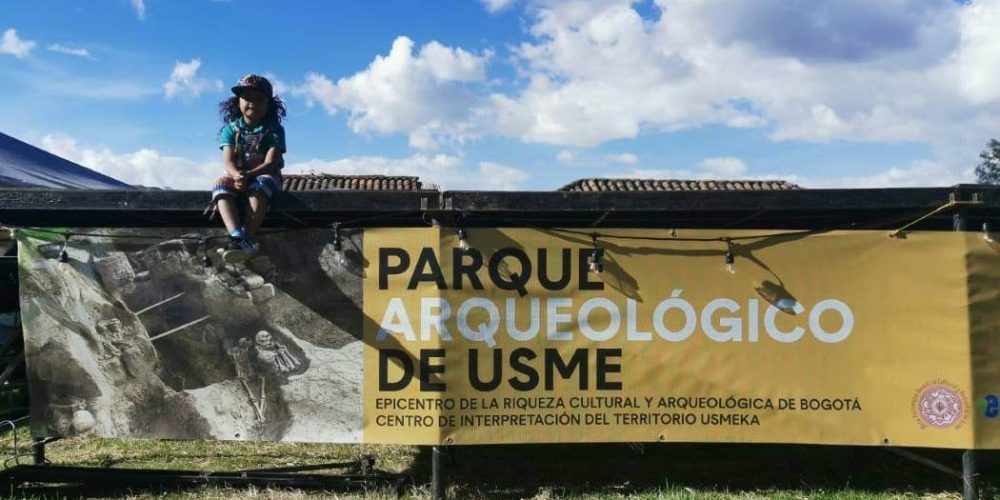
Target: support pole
[(438, 482), (970, 476), (38, 451)]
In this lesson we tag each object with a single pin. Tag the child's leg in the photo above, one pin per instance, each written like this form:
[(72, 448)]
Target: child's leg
[(229, 212), (255, 216), (225, 196), (260, 189)]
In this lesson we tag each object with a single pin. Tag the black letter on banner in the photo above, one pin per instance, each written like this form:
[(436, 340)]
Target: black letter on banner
[(516, 281), (543, 268), (384, 269), (457, 256), (520, 367), (554, 360), (383, 369), (604, 368), (427, 369), (585, 283), (427, 258), (494, 382)]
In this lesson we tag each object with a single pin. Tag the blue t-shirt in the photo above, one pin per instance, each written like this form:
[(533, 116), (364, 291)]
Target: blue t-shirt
[(252, 143)]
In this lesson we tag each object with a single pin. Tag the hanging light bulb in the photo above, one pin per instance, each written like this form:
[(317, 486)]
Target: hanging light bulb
[(463, 241), (338, 245), (730, 257), (594, 263)]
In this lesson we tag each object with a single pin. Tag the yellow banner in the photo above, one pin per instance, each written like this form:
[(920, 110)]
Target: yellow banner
[(832, 338)]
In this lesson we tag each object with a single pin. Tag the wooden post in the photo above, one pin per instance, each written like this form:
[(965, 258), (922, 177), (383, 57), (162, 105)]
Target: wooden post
[(439, 484), (38, 451), (970, 476)]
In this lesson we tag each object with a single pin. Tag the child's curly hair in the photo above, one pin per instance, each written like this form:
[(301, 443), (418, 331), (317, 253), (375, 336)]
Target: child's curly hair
[(229, 110)]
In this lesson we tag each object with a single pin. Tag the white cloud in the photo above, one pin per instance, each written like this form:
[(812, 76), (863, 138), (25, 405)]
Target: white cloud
[(917, 174), (626, 158), (423, 94), (724, 167), (977, 56), (444, 170), (594, 158), (594, 71), (656, 173), (494, 6), (147, 167), (566, 156), (11, 44), (280, 87), (62, 49), (184, 81), (153, 168), (497, 177), (886, 72), (140, 8)]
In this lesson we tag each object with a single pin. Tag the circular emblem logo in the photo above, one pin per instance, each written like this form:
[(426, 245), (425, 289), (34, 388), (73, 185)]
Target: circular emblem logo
[(940, 404)]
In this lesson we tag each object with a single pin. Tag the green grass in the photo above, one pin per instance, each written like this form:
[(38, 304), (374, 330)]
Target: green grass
[(674, 471)]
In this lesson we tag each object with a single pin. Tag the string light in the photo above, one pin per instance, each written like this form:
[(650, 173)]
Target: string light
[(463, 238), (987, 235), (594, 260), (338, 245)]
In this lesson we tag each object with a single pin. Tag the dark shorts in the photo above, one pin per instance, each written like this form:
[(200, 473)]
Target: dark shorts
[(268, 185)]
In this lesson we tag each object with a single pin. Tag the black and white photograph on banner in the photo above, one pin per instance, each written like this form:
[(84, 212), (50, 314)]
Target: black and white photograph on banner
[(151, 333)]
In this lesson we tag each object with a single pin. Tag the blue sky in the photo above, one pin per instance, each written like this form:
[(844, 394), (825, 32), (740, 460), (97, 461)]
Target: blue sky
[(517, 94)]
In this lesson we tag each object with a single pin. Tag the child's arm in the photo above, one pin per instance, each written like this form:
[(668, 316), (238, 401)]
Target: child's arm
[(229, 163), (272, 163)]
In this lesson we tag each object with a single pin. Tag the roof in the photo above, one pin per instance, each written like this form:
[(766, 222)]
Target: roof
[(25, 166), (618, 185), (330, 182)]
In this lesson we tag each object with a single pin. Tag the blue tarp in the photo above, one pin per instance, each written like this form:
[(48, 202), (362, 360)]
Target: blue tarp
[(24, 165)]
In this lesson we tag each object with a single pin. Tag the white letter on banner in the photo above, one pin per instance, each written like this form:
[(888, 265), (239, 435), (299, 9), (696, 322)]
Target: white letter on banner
[(845, 315), (752, 325), (690, 318), (583, 319), (430, 320), (632, 332), (486, 331), (395, 320), (734, 332), (774, 332), (555, 318), (533, 326)]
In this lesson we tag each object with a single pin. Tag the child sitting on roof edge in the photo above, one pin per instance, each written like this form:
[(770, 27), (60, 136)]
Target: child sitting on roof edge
[(252, 143)]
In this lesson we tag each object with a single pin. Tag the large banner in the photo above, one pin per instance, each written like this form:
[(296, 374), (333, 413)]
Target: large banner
[(434, 336)]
